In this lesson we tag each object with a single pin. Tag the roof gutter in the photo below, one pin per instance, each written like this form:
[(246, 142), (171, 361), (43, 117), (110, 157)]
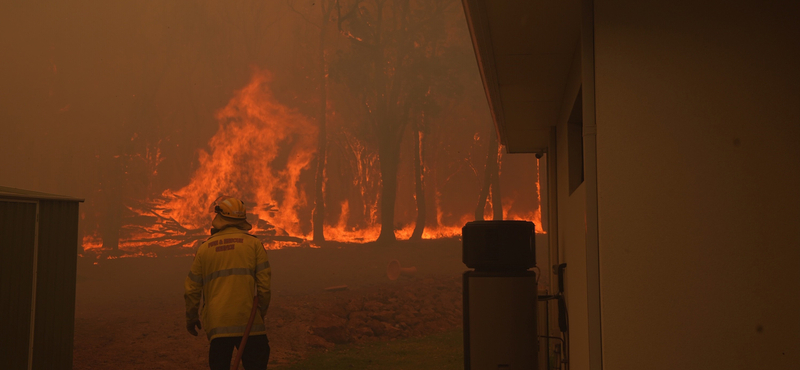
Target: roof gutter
[(478, 23)]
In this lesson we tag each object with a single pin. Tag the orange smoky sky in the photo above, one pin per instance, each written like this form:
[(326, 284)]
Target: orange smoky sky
[(132, 104)]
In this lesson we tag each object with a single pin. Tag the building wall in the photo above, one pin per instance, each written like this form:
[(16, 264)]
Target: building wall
[(45, 231), (571, 233), (55, 292), (18, 235), (698, 135)]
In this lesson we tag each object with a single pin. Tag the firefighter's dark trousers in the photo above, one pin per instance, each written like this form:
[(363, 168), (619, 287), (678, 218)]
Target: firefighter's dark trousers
[(255, 356)]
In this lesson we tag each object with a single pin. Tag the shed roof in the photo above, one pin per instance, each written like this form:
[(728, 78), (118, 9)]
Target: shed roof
[(6, 192)]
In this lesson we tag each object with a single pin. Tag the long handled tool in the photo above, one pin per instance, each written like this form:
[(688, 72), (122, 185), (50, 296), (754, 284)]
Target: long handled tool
[(235, 364)]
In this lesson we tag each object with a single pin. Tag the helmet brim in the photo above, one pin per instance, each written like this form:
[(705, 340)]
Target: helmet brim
[(221, 222)]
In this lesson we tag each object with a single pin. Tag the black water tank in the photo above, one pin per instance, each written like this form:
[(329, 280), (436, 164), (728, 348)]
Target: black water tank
[(499, 245)]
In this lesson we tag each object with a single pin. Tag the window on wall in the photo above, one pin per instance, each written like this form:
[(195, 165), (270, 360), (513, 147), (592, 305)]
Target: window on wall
[(575, 144)]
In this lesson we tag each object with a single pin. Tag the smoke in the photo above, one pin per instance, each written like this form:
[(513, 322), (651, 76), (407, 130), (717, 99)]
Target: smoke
[(123, 102)]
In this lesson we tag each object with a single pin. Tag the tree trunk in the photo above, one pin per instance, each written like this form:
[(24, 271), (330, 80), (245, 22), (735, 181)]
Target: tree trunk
[(318, 216), (419, 175), (113, 181), (497, 200), (489, 174), (389, 158)]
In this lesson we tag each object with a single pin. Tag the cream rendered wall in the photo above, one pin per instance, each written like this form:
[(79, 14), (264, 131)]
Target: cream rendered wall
[(571, 233), (698, 130)]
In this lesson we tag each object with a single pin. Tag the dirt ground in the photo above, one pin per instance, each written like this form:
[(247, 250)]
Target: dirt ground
[(130, 311)]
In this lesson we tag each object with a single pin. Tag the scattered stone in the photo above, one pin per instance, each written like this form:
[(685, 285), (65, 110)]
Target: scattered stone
[(423, 307), (339, 309), (331, 328), (358, 318), (362, 332), (355, 304), (406, 318), (391, 331), (409, 309), (373, 306), (445, 306), (385, 316), (377, 327), (319, 342)]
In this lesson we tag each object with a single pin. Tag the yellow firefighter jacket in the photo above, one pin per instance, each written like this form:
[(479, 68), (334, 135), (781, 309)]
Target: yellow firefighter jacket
[(228, 269)]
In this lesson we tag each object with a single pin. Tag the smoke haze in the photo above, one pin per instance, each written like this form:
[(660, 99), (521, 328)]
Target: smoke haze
[(114, 102)]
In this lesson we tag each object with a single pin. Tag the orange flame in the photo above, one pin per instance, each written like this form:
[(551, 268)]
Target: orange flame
[(258, 154), (253, 132), (92, 241)]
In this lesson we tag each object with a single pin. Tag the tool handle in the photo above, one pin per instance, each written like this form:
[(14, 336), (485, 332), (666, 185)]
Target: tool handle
[(235, 364)]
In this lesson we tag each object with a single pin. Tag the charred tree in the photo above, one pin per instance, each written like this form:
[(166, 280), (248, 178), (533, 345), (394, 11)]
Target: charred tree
[(419, 177), (368, 66), (112, 180), (393, 49), (318, 214), (389, 161), (491, 182), (497, 199), (128, 174)]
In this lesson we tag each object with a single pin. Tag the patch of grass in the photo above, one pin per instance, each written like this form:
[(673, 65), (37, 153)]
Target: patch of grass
[(444, 351)]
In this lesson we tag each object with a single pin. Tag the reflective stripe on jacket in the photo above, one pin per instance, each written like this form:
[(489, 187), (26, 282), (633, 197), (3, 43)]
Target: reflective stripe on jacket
[(227, 270)]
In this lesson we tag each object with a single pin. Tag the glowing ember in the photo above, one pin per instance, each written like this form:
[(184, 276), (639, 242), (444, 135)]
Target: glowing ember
[(92, 241)]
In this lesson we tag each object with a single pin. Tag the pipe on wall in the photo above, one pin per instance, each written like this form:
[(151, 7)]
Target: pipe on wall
[(552, 203)]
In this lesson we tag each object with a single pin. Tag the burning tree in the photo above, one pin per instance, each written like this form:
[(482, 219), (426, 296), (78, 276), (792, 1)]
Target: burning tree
[(491, 182), (325, 10), (366, 89), (258, 154), (391, 67)]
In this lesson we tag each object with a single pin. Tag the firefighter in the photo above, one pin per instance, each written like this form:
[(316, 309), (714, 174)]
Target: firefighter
[(228, 269)]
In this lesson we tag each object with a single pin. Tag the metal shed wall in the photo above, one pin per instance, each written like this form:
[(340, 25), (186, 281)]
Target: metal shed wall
[(17, 240), (55, 290), (39, 240)]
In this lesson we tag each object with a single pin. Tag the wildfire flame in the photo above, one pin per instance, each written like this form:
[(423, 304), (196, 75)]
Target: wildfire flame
[(259, 154), (242, 161)]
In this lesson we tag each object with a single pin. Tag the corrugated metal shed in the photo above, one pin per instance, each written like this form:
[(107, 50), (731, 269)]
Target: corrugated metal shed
[(39, 234)]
